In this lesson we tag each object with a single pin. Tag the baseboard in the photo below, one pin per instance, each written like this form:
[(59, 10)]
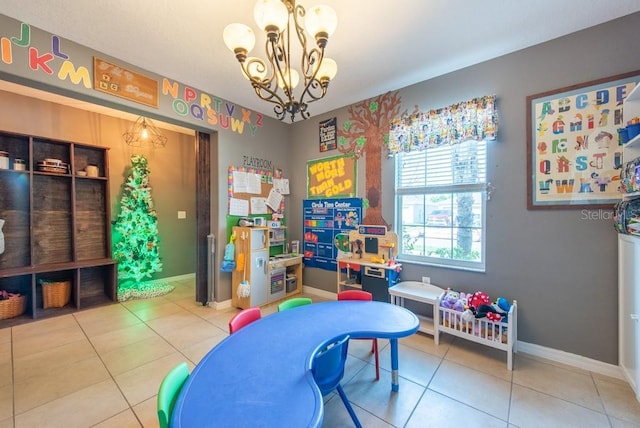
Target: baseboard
[(318, 292), (573, 360), (220, 305), (176, 278)]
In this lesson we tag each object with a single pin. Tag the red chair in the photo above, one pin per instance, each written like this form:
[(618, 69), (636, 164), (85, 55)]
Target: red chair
[(363, 295), (243, 318)]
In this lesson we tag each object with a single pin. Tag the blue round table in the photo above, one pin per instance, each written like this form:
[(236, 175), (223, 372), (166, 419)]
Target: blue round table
[(261, 375)]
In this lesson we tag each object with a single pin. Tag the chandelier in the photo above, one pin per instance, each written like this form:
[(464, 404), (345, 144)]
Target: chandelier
[(144, 133), (275, 79)]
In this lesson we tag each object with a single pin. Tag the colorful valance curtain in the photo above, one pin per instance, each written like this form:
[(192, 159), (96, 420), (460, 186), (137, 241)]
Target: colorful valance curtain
[(476, 119)]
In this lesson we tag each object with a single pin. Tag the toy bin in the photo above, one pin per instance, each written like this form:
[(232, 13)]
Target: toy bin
[(292, 283), (623, 135), (55, 294), (633, 130), (12, 307)]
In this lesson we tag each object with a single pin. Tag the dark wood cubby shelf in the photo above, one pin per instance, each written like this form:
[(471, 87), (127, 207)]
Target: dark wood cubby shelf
[(57, 225)]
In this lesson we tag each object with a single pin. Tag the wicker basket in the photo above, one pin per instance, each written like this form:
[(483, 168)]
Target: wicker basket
[(12, 307), (55, 294)]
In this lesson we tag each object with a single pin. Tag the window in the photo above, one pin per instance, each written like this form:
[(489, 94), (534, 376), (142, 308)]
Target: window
[(440, 205)]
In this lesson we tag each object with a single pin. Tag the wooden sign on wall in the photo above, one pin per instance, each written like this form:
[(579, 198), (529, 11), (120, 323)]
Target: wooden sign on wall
[(115, 80)]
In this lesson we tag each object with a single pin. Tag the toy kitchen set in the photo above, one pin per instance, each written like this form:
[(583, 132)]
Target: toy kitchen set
[(370, 264), (266, 261)]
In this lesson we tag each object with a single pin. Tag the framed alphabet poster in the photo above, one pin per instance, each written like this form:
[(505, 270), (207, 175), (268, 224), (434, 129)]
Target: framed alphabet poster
[(573, 154)]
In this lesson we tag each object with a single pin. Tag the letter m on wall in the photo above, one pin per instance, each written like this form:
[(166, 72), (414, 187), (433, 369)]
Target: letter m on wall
[(67, 70)]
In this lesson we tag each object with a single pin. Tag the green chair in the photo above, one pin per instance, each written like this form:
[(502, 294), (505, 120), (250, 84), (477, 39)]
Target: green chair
[(169, 390), (294, 303)]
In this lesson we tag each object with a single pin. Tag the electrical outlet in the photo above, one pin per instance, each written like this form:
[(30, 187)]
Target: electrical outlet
[(182, 215), (426, 280)]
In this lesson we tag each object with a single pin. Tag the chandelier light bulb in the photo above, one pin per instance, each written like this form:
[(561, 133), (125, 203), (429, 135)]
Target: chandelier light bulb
[(321, 21), (295, 79), (144, 134), (327, 70), (271, 15), (239, 38)]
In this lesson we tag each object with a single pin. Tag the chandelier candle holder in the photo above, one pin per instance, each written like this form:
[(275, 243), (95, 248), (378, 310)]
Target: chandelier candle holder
[(275, 79)]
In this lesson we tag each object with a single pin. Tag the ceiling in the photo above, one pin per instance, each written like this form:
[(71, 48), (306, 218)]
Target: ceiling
[(379, 45)]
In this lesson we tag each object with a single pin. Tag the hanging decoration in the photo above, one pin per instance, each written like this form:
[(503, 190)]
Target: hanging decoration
[(143, 133), (476, 119), (136, 236)]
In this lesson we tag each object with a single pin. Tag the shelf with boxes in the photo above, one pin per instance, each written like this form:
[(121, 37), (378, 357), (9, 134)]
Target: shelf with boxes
[(627, 221), (54, 225)]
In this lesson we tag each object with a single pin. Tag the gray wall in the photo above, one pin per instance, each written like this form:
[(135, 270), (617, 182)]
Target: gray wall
[(271, 144), (559, 266)]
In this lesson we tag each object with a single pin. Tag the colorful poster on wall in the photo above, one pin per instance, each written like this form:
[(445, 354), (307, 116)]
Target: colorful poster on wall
[(333, 177), (328, 133), (573, 150), (326, 227)]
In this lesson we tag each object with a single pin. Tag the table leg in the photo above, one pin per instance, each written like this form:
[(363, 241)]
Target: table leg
[(394, 364)]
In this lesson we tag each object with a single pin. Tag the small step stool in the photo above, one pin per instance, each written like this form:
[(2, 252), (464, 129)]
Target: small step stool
[(423, 293)]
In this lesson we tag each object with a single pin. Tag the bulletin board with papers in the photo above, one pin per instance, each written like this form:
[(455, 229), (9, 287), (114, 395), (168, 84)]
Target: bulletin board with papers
[(254, 191)]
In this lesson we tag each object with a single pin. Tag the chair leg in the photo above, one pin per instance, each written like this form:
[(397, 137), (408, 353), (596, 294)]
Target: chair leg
[(375, 351), (348, 406)]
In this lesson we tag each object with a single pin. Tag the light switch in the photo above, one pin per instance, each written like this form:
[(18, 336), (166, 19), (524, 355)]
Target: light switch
[(182, 215)]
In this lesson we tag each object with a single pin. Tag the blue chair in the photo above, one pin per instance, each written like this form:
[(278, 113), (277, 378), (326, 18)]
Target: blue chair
[(328, 370), (168, 393)]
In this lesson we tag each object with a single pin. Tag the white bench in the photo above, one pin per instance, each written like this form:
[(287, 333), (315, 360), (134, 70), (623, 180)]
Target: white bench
[(423, 293)]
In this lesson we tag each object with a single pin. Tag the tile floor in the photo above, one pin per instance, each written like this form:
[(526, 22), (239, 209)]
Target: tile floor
[(102, 368)]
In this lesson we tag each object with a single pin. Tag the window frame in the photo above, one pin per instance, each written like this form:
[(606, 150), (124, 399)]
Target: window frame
[(452, 189)]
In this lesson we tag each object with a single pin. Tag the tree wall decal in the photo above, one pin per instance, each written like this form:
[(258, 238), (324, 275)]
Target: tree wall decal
[(365, 133)]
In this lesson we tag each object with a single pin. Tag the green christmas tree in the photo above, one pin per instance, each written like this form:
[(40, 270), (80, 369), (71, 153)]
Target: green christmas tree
[(136, 235)]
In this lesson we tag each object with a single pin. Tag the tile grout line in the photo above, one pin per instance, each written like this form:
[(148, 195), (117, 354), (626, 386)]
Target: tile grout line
[(110, 375)]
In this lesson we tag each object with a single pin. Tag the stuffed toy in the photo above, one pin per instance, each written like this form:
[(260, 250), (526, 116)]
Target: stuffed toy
[(458, 305), (468, 316), (453, 294), (454, 300), (448, 300), (503, 307), (478, 298), (503, 304), (494, 312), (493, 316)]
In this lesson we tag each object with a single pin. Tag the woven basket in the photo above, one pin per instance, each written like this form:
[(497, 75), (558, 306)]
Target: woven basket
[(55, 294), (12, 307)]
